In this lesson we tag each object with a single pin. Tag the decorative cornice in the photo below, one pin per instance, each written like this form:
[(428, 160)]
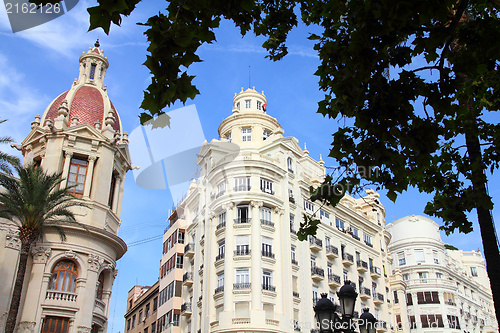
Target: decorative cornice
[(95, 262), (40, 254)]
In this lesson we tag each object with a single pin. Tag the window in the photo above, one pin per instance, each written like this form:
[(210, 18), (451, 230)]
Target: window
[(290, 196), (266, 134), (64, 276), (92, 71), (56, 325), (267, 247), (427, 297), (401, 259), (453, 322), (147, 310), (228, 137), (396, 299), (100, 286), (265, 215), (435, 256), (325, 217), (220, 280), (449, 298), (179, 261), (315, 293), (133, 321), (368, 239), (439, 276), (473, 271), (146, 330), (238, 105), (155, 306), (111, 197), (242, 184), (266, 186), (221, 188), (313, 261), (243, 278), (76, 176), (180, 237), (128, 324), (259, 105), (221, 249), (431, 320), (294, 261), (406, 277), (246, 134), (339, 224), (419, 256), (222, 219), (354, 232), (398, 322), (292, 223), (248, 103), (140, 316), (242, 245), (329, 269), (344, 273), (267, 279), (309, 207), (153, 327), (242, 212), (327, 241), (422, 276), (409, 299), (289, 164)]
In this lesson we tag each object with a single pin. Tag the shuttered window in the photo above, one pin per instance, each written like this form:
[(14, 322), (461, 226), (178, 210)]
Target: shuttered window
[(55, 325)]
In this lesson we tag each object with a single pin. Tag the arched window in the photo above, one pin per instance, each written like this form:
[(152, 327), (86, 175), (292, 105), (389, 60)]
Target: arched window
[(289, 164), (100, 286), (64, 276)]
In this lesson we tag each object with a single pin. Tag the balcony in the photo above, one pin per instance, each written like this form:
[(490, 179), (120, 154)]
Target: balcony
[(268, 254), (268, 287), (381, 326), (317, 273), (220, 227), (332, 252), (295, 294), (291, 199), (315, 244), (364, 293), (267, 190), (295, 262), (378, 299), (267, 223), (242, 188), (100, 306), (187, 279), (347, 259), (375, 272), (362, 266), (65, 296), (186, 309), (245, 251), (334, 280), (242, 220), (219, 259), (189, 250), (219, 290), (242, 285)]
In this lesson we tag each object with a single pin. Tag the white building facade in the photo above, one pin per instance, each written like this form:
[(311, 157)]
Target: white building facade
[(435, 289), (249, 271), (68, 284)]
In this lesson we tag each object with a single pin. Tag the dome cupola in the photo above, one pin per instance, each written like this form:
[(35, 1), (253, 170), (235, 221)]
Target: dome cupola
[(86, 102)]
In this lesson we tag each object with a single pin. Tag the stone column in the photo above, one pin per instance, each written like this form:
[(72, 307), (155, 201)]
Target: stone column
[(282, 264), (229, 267), (256, 248), (88, 294), (34, 288), (65, 172), (116, 195), (88, 180)]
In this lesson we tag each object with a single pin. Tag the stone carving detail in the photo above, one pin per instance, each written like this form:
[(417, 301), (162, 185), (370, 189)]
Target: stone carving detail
[(40, 254), (256, 203), (13, 241), (278, 210), (83, 329), (94, 262), (26, 327), (70, 254), (115, 273), (107, 266), (413, 218)]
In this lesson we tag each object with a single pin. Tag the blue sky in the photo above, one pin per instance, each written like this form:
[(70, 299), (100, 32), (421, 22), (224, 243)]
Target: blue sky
[(38, 64)]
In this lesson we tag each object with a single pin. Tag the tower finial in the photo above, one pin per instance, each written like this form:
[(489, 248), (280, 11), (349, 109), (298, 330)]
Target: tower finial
[(97, 43)]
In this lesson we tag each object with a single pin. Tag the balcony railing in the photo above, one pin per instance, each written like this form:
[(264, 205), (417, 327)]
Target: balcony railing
[(348, 258), (187, 276), (266, 222), (317, 271), (242, 220), (295, 262), (313, 241), (189, 247), (268, 254), (295, 294), (332, 249), (241, 285), (365, 291), (380, 297), (186, 307), (268, 287), (291, 199), (61, 295), (221, 225), (333, 278), (375, 271), (220, 256), (242, 252), (266, 190), (362, 265), (293, 231), (219, 289), (242, 188)]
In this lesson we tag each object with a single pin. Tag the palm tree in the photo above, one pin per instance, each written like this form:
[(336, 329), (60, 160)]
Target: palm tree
[(6, 160), (34, 202)]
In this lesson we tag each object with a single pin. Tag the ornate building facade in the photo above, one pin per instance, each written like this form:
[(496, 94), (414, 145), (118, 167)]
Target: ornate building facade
[(68, 284), (436, 289), (244, 268)]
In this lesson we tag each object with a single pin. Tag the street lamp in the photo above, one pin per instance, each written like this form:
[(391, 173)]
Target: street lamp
[(325, 310), (367, 322)]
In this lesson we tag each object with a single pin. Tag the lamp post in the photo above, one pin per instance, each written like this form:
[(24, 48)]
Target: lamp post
[(367, 322), (329, 321)]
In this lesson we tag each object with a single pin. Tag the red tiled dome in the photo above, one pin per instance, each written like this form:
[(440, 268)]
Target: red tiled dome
[(87, 104)]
